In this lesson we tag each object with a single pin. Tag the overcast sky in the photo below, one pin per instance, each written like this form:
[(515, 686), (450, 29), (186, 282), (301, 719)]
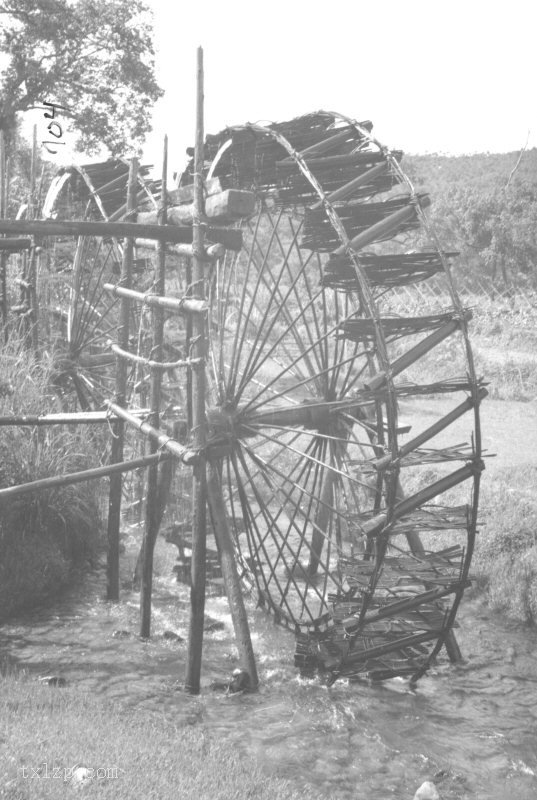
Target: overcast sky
[(433, 76)]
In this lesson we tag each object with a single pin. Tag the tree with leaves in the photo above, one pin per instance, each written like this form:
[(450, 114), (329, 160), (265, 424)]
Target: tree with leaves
[(93, 57)]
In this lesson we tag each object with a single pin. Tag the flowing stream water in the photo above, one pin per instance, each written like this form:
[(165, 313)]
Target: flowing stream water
[(472, 728)]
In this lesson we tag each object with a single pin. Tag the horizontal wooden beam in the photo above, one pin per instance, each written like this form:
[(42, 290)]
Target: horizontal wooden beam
[(57, 481), (184, 305), (184, 454), (75, 418), (232, 239)]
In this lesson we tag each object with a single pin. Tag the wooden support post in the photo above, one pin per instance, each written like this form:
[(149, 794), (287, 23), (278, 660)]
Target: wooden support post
[(164, 482), (114, 502), (3, 213), (199, 487), (322, 521), (31, 272), (232, 582), (153, 513)]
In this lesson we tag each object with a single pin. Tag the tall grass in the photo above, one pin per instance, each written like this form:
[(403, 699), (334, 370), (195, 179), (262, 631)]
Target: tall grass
[(42, 534)]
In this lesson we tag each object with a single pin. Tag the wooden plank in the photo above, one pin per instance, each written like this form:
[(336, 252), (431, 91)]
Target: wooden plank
[(232, 239), (228, 206)]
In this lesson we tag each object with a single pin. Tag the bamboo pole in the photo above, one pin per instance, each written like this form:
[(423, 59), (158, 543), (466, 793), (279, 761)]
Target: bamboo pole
[(3, 213), (161, 366), (68, 418), (229, 573), (212, 251), (184, 454), (114, 501), (232, 239), (164, 481), (385, 227), (31, 275), (153, 513), (85, 475), (199, 486), (183, 305)]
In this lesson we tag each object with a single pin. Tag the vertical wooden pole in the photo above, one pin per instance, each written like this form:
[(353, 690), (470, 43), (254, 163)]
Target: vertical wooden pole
[(31, 272), (229, 572), (116, 455), (3, 214), (199, 486), (153, 515)]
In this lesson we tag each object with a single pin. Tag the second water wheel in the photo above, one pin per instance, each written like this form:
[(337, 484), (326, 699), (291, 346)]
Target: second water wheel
[(308, 364)]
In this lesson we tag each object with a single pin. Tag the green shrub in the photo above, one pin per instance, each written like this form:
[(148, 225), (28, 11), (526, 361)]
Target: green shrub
[(42, 534)]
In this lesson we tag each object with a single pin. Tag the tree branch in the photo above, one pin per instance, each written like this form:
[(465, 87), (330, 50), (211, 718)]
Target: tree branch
[(518, 161)]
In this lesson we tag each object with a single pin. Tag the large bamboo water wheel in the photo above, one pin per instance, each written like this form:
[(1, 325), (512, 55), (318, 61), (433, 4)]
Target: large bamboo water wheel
[(351, 531), (82, 315)]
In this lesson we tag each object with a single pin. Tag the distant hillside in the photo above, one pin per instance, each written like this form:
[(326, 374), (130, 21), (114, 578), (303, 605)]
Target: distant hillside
[(492, 224)]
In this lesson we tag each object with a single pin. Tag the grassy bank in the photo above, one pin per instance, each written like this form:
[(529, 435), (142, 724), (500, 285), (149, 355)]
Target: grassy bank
[(504, 566), (505, 562), (133, 755), (43, 534)]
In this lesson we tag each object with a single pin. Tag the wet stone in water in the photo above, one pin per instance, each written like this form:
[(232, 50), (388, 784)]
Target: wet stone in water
[(121, 634), (53, 680)]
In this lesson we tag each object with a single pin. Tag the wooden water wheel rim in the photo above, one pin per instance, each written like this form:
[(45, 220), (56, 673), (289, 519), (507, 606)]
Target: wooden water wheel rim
[(382, 380)]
